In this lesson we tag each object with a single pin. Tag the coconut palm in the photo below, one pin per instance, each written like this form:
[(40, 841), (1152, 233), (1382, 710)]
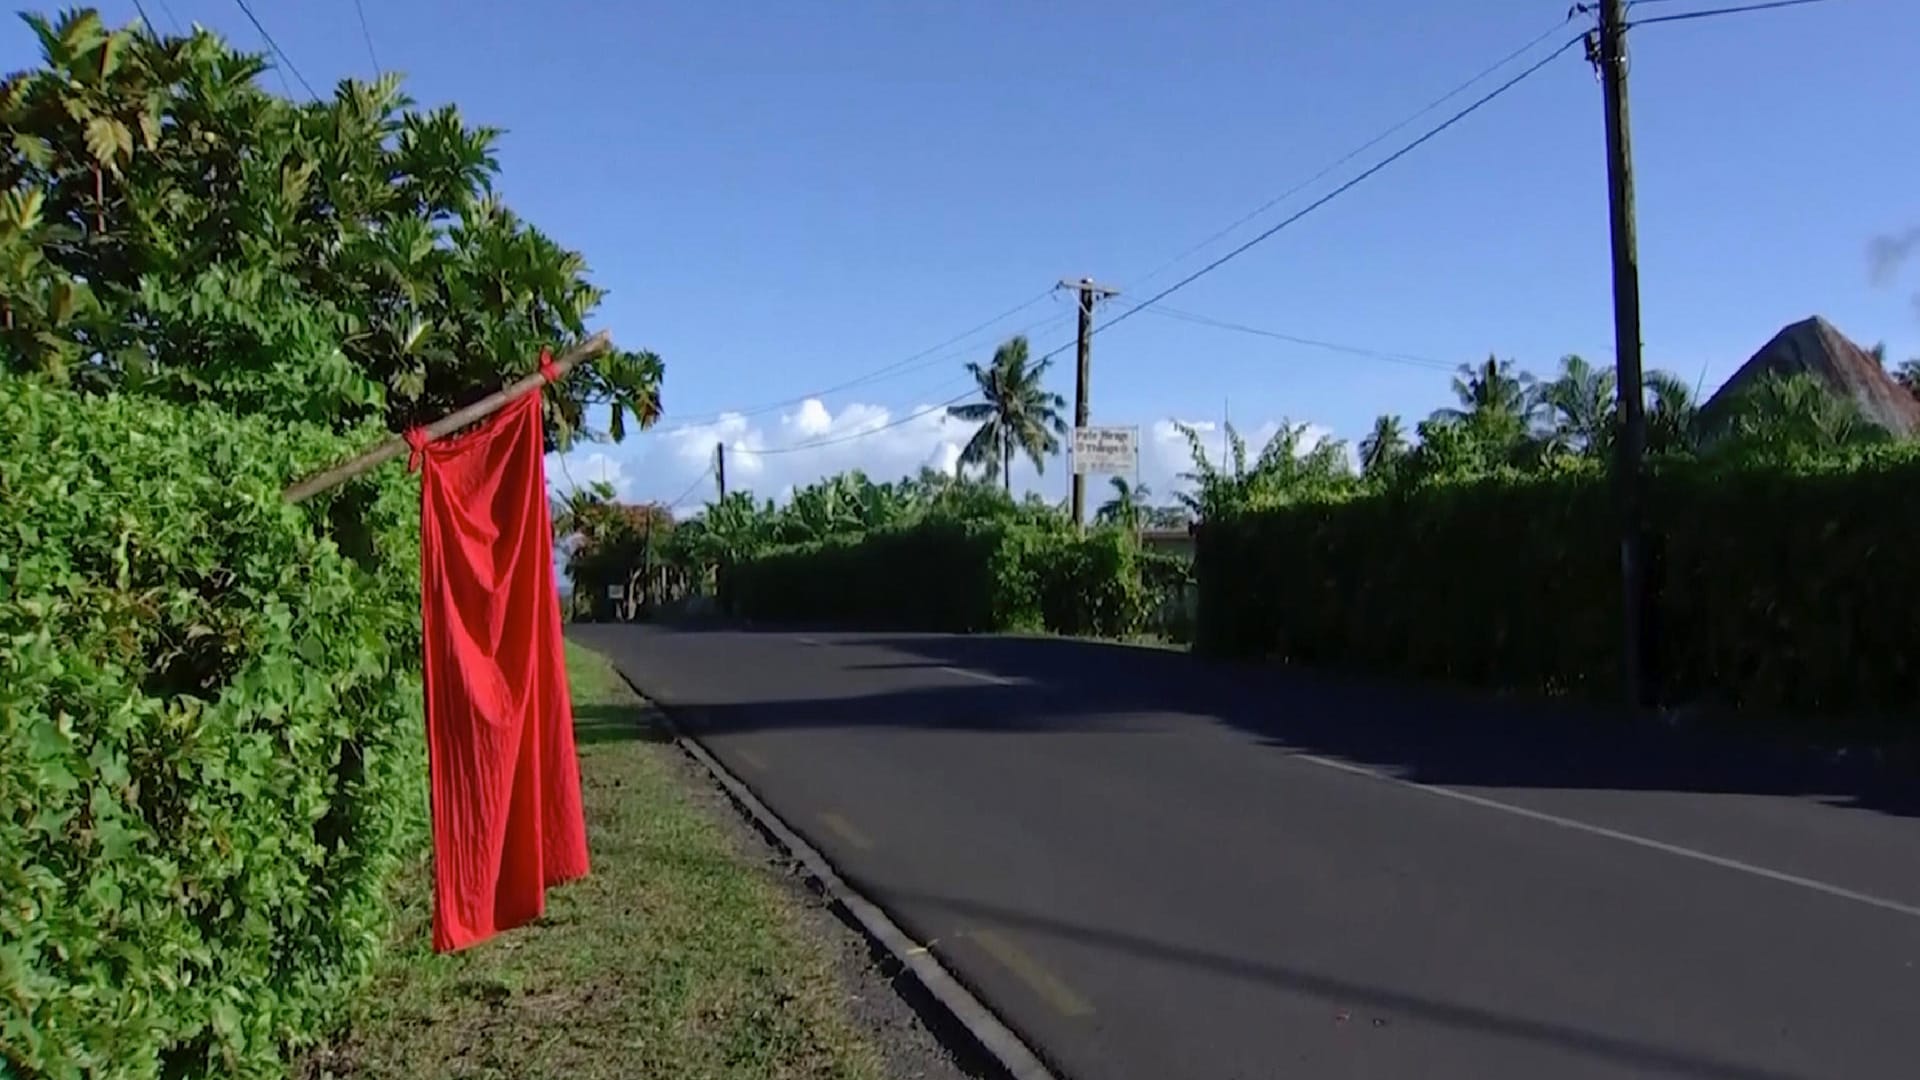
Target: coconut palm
[(1127, 508), (1016, 414), (1673, 425), (1490, 389), (1495, 412), (1579, 406), (1384, 445)]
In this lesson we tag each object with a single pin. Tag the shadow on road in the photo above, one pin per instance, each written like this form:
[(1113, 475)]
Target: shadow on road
[(1425, 735), (595, 724), (1341, 993)]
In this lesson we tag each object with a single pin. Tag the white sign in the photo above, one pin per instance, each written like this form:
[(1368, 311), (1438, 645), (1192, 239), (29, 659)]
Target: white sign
[(1106, 450), (616, 592)]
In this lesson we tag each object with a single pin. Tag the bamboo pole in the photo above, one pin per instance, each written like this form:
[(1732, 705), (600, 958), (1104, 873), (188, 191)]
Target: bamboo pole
[(448, 424)]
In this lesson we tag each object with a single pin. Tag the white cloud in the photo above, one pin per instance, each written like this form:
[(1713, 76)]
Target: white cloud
[(588, 467), (675, 462)]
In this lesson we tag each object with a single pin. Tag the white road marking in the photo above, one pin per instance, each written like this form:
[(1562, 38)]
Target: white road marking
[(809, 641), (980, 675), (1721, 861)]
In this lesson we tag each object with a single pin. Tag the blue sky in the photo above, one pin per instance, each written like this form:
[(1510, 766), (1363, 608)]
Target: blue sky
[(785, 196)]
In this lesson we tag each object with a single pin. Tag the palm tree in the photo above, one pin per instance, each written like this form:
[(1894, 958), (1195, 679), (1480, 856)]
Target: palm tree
[(1491, 390), (1579, 405), (1673, 425), (1016, 414), (1494, 419), (1127, 507), (1384, 445)]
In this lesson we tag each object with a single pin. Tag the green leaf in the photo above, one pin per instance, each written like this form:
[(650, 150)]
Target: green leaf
[(103, 141)]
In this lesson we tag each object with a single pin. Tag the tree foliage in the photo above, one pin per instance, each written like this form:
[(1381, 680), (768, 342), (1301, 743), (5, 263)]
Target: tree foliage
[(1287, 468), (1016, 413), (169, 228), (210, 748), (211, 757)]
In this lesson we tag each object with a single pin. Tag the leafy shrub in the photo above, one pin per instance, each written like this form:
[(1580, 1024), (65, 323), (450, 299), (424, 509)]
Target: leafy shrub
[(939, 573), (210, 748), (1782, 588), (1169, 583), (1503, 581), (1053, 579), (1790, 588), (932, 575)]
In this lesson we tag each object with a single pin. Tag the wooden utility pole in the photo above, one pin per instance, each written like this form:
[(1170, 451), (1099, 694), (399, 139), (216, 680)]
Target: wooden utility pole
[(720, 468), (1082, 407), (1610, 54)]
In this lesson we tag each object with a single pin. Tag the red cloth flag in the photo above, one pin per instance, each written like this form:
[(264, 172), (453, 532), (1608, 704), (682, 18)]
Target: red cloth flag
[(505, 780)]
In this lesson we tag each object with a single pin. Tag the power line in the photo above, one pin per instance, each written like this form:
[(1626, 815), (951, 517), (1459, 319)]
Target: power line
[(367, 34), (1323, 200), (145, 19), (1710, 12), (1364, 147), (1354, 350), (897, 367), (853, 435), (697, 481), (275, 46)]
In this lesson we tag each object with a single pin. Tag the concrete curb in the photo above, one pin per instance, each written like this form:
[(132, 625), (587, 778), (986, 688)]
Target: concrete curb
[(994, 1041)]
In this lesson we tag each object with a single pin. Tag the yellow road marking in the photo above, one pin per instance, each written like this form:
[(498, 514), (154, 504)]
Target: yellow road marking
[(844, 829), (1039, 979), (978, 675), (751, 760)]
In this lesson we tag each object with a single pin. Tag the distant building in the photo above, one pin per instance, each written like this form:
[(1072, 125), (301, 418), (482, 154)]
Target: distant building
[(1814, 347)]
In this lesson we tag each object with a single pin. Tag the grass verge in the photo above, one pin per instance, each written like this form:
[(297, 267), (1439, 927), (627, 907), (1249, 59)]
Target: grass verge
[(673, 959)]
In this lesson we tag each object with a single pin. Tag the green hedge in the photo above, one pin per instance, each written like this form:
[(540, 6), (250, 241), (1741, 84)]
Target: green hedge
[(1791, 589), (1784, 589), (210, 749), (932, 576), (957, 576)]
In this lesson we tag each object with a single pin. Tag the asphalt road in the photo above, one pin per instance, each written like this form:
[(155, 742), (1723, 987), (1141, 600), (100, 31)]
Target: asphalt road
[(1156, 868)]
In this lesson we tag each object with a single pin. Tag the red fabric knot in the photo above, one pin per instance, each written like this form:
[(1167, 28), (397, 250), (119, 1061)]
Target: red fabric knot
[(417, 440), (548, 371)]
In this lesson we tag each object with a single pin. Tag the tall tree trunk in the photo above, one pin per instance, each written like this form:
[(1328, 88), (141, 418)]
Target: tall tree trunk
[(1006, 463)]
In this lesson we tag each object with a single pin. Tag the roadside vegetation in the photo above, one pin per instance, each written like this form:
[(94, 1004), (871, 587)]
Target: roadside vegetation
[(211, 759), (1477, 548), (671, 959)]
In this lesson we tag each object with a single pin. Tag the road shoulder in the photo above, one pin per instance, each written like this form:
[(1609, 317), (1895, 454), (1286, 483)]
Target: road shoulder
[(693, 949)]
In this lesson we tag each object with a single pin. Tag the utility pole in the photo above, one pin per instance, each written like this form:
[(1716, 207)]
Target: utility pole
[(720, 468), (1082, 407), (1609, 53)]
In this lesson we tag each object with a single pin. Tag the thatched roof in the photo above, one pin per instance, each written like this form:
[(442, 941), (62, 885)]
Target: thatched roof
[(1815, 347)]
